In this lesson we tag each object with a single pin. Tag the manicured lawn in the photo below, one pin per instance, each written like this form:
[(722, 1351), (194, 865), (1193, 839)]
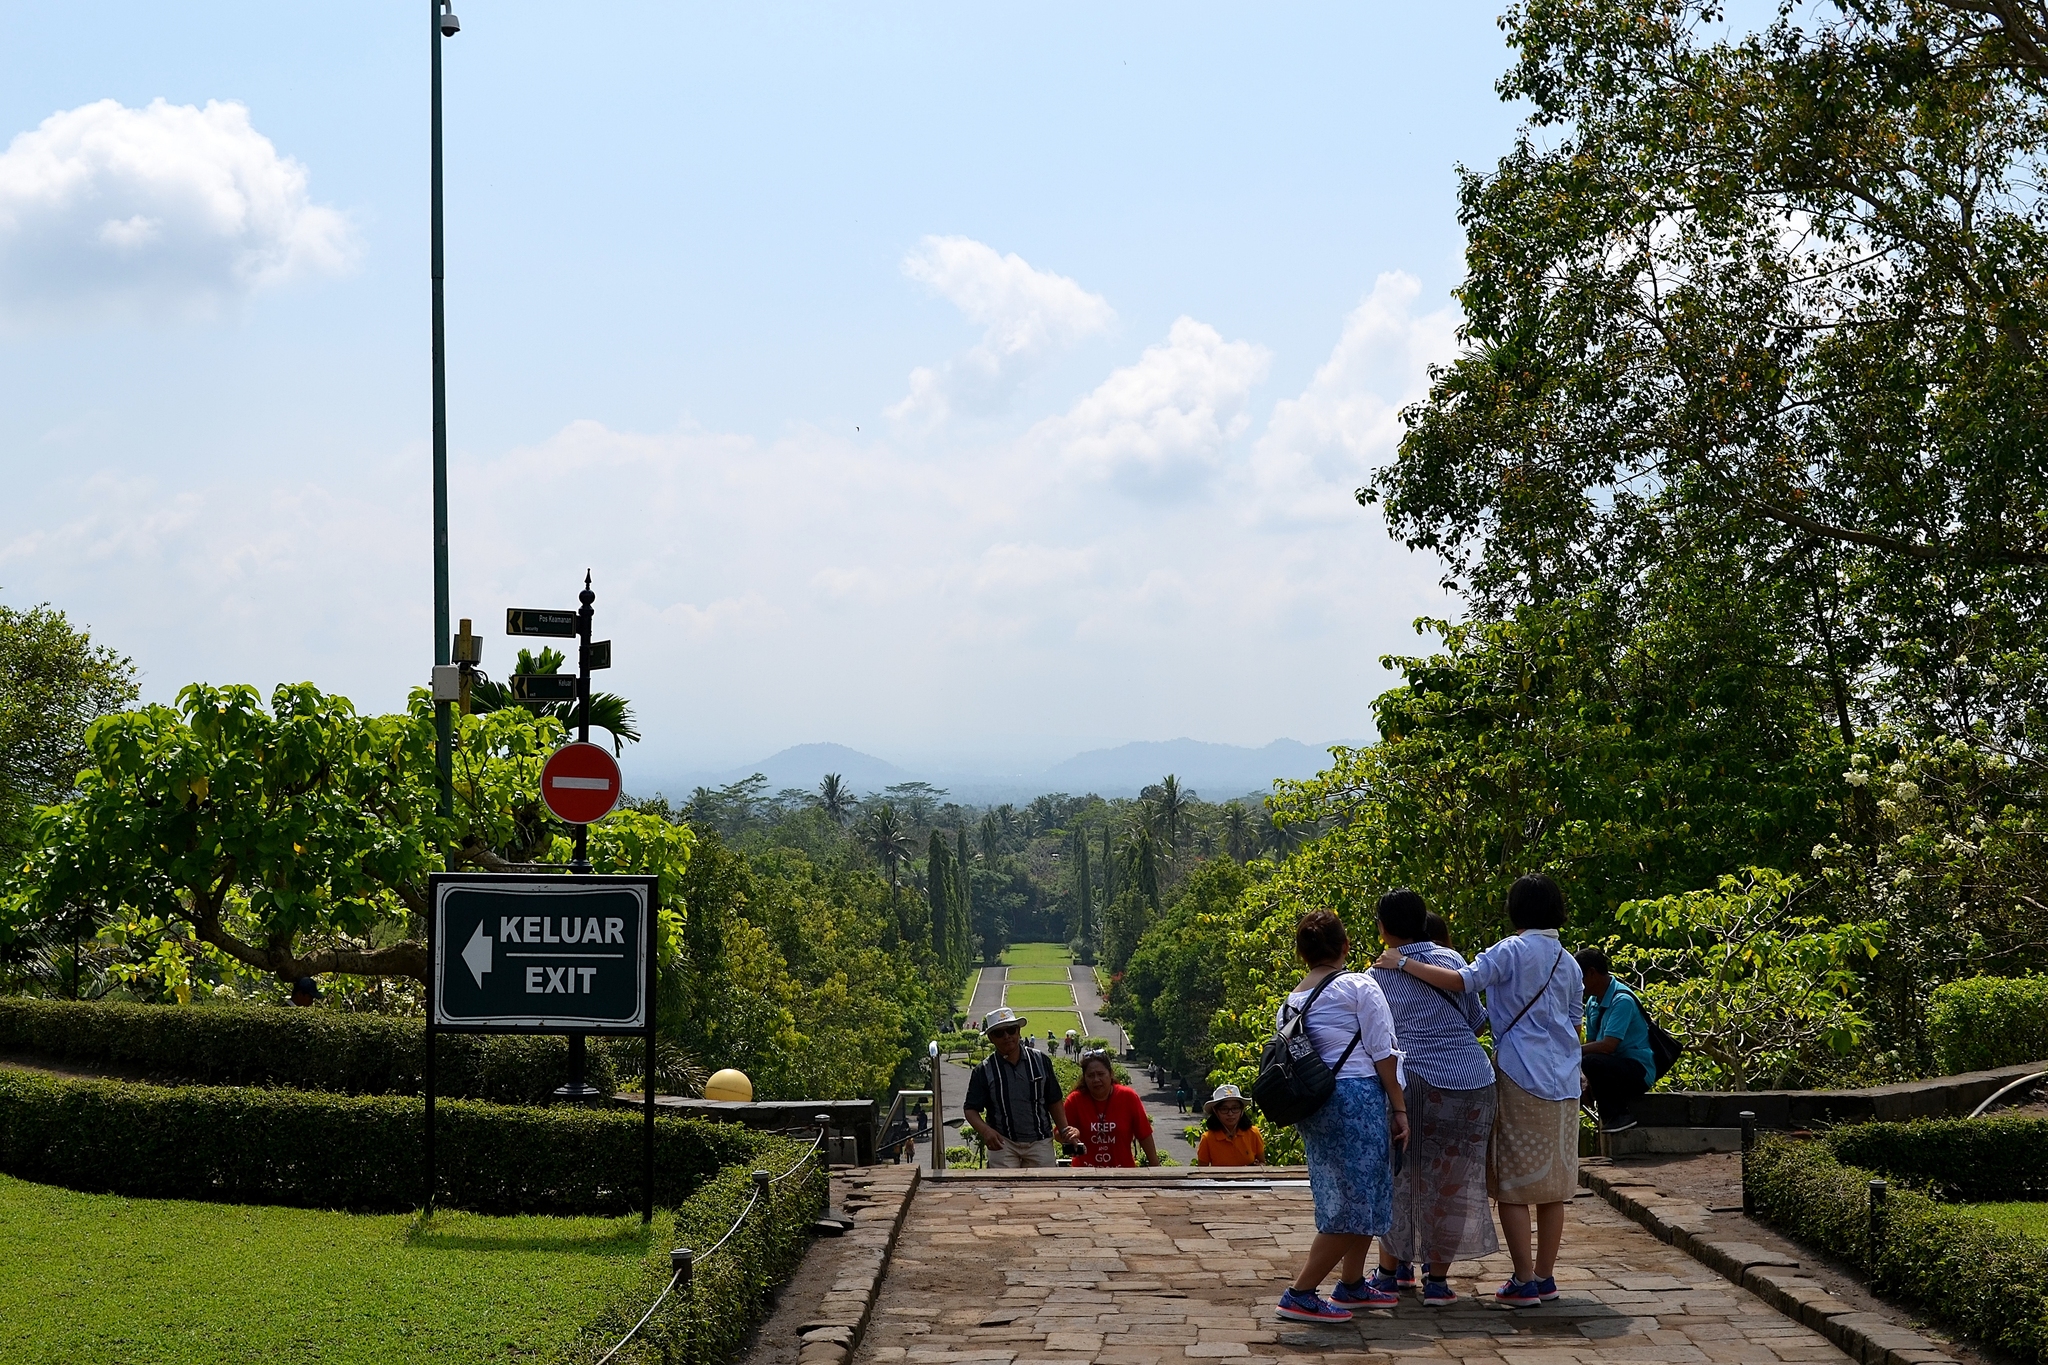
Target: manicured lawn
[(2031, 1219), (966, 1001), (100, 1278), (1059, 1021), (1025, 954), (1037, 974), (1047, 996)]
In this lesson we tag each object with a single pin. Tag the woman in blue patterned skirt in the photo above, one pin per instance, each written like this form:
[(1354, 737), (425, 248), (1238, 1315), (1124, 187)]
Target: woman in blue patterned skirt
[(1349, 1140)]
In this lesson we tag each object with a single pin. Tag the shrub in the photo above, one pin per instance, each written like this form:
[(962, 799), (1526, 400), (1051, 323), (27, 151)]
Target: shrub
[(250, 1145), (1978, 1160), (1954, 1265), (351, 1054), (1988, 1021), (731, 1291)]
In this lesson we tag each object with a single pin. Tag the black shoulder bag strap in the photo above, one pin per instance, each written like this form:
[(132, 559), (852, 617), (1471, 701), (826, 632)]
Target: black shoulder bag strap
[(1308, 1004), (1558, 962)]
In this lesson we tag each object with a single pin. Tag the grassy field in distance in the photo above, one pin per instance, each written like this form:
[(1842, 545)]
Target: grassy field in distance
[(1030, 954), (1047, 996)]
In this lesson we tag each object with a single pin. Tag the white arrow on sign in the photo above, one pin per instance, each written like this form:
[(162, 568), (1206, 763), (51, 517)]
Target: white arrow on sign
[(477, 956)]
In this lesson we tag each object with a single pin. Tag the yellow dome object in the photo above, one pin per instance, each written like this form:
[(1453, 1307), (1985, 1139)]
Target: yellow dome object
[(729, 1085)]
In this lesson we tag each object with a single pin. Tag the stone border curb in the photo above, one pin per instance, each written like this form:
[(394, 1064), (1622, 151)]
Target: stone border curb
[(879, 1198), (1771, 1276)]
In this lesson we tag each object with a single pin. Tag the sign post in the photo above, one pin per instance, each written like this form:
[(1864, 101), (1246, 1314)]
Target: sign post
[(519, 953)]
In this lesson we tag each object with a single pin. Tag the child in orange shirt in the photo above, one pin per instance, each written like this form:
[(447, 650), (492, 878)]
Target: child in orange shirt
[(1231, 1139)]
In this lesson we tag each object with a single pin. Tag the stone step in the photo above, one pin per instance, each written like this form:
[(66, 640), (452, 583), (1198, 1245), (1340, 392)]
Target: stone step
[(1645, 1140)]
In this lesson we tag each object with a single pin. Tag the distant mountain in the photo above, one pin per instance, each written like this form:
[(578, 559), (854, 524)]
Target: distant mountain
[(1215, 771), (804, 765)]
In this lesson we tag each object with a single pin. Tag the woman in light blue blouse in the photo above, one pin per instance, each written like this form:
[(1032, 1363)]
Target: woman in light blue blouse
[(1533, 988)]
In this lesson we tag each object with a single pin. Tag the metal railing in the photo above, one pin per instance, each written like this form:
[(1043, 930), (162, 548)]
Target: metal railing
[(684, 1261)]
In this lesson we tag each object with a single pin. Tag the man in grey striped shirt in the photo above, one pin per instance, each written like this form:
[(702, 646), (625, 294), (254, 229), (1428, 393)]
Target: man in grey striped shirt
[(1013, 1098)]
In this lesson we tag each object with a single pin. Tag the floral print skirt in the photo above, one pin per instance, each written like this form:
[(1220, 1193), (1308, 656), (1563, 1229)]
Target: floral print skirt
[(1440, 1208), (1348, 1170)]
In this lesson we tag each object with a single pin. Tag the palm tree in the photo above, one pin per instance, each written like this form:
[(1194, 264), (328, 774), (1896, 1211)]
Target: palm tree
[(882, 834), (836, 799), (1173, 807), (1237, 831), (609, 712)]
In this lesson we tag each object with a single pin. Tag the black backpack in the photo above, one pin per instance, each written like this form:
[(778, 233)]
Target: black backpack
[(1294, 1080), (1665, 1050)]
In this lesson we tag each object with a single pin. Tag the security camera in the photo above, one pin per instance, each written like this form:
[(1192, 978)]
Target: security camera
[(450, 25)]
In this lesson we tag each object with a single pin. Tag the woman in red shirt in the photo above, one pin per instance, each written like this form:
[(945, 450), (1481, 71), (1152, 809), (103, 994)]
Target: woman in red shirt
[(1110, 1117)]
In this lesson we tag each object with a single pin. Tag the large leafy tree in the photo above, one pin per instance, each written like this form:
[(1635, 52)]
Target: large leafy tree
[(1772, 304), (54, 682), (296, 839)]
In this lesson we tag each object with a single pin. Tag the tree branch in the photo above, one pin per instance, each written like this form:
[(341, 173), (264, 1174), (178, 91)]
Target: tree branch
[(1911, 549)]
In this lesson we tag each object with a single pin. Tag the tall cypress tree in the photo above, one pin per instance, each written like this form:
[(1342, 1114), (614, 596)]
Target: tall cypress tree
[(1085, 890), (1108, 867), (939, 881), (966, 896)]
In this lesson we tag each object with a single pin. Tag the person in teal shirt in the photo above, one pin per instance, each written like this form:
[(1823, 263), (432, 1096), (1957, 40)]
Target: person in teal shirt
[(1615, 1057)]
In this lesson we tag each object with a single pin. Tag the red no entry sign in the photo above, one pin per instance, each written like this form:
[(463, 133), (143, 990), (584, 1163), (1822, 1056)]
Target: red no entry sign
[(580, 783)]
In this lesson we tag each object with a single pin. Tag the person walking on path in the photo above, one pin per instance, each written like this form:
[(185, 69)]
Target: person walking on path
[(1533, 1160), (1110, 1116), (1616, 1055), (1440, 1210), (1013, 1098), (1180, 1096), (1231, 1139), (1349, 1140)]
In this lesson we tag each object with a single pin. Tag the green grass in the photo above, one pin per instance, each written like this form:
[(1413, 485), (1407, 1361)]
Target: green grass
[(2030, 1219), (100, 1278), (1059, 1021), (1029, 996), (1037, 974), (966, 1001), (1036, 954)]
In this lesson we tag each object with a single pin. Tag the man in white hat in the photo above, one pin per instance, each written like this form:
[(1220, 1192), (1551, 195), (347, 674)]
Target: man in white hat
[(1013, 1098)]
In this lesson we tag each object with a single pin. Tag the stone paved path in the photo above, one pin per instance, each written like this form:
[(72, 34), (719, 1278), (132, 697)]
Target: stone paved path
[(1064, 1269)]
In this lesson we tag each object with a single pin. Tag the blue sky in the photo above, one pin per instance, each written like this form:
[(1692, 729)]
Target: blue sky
[(956, 382)]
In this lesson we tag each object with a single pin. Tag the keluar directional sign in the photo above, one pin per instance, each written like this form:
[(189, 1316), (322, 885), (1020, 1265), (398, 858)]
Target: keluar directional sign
[(543, 687), (538, 621), (528, 953)]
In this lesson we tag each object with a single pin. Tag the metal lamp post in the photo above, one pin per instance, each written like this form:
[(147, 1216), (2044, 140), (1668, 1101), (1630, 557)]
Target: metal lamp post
[(444, 24)]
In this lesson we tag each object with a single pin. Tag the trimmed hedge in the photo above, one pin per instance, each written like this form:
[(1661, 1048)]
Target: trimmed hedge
[(1988, 1021), (732, 1292), (1965, 1160), (258, 1146), (350, 1054), (1959, 1268)]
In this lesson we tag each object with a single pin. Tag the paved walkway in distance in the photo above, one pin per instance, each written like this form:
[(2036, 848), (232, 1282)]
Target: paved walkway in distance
[(1059, 1269)]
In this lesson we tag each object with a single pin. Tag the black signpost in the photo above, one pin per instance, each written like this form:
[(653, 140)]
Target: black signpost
[(543, 953)]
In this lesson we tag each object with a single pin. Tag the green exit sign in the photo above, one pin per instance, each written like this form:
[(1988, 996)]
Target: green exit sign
[(541, 953), (543, 687)]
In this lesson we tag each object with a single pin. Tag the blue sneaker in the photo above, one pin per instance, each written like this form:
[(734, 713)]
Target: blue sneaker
[(1546, 1287), (1437, 1293), (1404, 1274), (1366, 1293), (1296, 1306), (1519, 1294)]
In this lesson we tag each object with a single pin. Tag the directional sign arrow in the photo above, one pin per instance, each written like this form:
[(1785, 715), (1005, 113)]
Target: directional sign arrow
[(477, 956)]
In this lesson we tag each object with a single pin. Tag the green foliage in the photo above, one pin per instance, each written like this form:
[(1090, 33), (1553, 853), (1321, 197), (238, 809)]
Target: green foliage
[(1170, 989), (1752, 986), (733, 1290), (54, 682), (235, 1144), (1961, 1269), (176, 1282), (1953, 1159), (1989, 1021), (306, 1049)]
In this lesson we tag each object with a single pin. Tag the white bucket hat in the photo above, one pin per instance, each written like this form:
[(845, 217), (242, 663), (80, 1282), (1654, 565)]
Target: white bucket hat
[(1224, 1092), (1002, 1016)]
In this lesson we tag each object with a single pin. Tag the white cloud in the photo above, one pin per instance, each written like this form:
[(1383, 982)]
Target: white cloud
[(1026, 314), (1161, 425), (1321, 446), (165, 209)]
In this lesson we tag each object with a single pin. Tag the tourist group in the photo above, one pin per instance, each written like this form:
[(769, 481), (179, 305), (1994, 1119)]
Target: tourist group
[(1421, 1128)]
